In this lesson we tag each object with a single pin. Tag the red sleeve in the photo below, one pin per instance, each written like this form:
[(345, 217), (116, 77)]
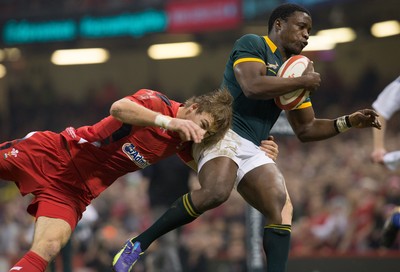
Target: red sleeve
[(99, 131), (150, 99), (153, 100)]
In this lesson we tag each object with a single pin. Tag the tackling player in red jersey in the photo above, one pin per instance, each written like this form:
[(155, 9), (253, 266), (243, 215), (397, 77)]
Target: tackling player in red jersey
[(66, 171)]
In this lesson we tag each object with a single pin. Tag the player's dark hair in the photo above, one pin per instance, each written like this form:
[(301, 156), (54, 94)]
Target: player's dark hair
[(283, 12), (219, 105)]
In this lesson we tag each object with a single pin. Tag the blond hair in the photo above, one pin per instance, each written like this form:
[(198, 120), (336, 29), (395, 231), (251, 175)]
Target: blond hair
[(219, 105)]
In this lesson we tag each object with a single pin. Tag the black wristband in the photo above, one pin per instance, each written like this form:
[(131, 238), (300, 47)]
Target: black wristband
[(335, 126), (342, 123), (347, 119)]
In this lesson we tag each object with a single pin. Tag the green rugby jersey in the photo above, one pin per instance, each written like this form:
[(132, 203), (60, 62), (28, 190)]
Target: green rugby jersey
[(252, 119)]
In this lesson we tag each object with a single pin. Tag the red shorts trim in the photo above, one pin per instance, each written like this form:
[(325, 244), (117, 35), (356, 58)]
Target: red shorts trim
[(54, 210)]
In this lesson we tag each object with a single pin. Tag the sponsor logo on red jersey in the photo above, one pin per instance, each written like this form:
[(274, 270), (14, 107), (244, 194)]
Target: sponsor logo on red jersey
[(134, 155)]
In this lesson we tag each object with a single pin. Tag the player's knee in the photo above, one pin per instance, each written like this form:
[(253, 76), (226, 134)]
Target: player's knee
[(48, 245), (216, 196), (277, 208), (220, 196), (48, 248)]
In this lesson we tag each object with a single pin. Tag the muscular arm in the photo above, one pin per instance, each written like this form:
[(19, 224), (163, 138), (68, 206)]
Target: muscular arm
[(255, 84), (308, 128), (129, 112), (387, 103), (132, 113)]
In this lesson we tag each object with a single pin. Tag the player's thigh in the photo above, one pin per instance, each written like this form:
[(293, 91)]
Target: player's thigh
[(264, 188), (219, 173), (50, 234)]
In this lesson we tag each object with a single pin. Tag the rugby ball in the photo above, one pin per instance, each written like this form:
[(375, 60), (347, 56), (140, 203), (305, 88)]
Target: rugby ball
[(293, 67)]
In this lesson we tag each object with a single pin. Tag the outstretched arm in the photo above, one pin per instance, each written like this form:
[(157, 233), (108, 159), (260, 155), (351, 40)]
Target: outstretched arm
[(308, 128), (132, 113), (386, 104), (379, 149)]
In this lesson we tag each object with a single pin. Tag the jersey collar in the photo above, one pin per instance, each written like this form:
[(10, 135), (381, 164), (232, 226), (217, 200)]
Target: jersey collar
[(270, 44)]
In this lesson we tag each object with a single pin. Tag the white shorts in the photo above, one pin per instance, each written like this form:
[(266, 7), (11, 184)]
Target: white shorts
[(243, 152)]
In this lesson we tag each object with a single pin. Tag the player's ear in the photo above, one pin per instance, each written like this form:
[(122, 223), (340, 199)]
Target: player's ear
[(278, 24), (193, 107)]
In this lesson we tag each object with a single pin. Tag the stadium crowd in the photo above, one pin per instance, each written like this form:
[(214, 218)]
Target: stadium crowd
[(340, 198)]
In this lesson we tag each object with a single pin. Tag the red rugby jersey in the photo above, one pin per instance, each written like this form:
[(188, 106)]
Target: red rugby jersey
[(109, 149)]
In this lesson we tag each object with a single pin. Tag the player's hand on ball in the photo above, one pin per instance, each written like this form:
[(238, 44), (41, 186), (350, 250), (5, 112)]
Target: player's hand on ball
[(312, 78), (187, 130), (365, 118), (270, 148)]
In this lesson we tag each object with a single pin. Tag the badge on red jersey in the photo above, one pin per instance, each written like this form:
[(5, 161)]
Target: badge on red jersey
[(134, 155)]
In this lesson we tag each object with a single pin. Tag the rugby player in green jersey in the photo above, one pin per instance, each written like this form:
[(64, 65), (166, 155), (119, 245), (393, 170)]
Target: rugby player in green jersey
[(237, 161)]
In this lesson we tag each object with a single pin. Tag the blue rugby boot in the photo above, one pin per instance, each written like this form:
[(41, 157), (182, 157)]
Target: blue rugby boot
[(125, 259)]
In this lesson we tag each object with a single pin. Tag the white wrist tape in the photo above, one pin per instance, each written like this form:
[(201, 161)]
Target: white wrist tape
[(162, 121), (342, 123)]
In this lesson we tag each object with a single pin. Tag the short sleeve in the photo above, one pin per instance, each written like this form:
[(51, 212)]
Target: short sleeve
[(248, 48), (388, 101)]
